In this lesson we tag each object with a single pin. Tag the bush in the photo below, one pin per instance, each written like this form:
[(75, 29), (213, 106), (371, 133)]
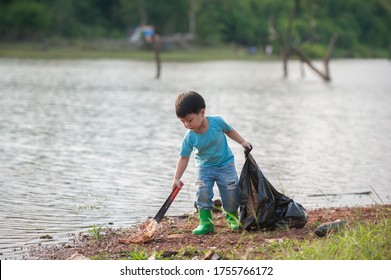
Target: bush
[(313, 50), (25, 20)]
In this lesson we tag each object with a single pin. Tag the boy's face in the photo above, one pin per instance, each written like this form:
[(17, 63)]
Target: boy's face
[(194, 121)]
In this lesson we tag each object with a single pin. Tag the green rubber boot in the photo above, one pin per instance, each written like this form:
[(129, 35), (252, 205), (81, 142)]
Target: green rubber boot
[(233, 220), (206, 224)]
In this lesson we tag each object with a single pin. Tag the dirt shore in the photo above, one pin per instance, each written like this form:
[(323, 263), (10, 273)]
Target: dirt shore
[(175, 236)]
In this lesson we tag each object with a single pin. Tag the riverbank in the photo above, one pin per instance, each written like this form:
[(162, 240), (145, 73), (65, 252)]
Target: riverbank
[(109, 49), (366, 236), (121, 49)]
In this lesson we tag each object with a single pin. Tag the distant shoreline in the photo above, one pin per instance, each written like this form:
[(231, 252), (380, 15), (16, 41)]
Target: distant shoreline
[(120, 49)]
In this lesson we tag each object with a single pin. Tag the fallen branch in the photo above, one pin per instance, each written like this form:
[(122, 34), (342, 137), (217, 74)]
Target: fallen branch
[(326, 74), (338, 194)]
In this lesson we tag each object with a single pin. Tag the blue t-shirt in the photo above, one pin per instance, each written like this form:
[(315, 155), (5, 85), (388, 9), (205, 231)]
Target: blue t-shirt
[(211, 147)]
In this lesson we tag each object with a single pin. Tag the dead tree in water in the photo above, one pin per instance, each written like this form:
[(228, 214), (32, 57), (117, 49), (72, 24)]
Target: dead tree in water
[(286, 42), (326, 74), (156, 44), (151, 37), (287, 48)]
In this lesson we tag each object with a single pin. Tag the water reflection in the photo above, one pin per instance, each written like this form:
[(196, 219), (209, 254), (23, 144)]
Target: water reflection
[(96, 142)]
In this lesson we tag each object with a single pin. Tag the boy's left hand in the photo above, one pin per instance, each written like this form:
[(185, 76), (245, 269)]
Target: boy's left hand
[(246, 145)]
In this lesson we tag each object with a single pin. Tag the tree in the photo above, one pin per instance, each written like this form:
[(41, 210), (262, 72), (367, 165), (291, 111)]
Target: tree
[(289, 48)]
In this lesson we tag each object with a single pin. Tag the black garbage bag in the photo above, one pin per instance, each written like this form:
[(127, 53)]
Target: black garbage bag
[(261, 205)]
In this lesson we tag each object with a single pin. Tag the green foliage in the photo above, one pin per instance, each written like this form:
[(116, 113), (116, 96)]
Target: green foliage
[(362, 242), (139, 254), (188, 252), (97, 231), (24, 19), (101, 256), (313, 50)]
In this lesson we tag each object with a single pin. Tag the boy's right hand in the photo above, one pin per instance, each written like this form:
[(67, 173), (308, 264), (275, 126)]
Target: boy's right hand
[(176, 183)]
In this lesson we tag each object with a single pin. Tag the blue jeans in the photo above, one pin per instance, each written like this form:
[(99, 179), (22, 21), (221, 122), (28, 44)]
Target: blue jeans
[(226, 179)]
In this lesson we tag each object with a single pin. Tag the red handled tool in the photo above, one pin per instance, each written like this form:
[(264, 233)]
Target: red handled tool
[(159, 216)]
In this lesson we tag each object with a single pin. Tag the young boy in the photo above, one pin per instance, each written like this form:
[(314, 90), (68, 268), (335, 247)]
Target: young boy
[(214, 159)]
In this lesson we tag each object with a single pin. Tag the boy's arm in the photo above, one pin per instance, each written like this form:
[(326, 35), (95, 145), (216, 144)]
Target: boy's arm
[(180, 169), (234, 135)]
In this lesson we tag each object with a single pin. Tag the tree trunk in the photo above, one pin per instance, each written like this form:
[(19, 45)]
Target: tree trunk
[(330, 50), (389, 52), (156, 48), (287, 41), (192, 18), (142, 14), (302, 72)]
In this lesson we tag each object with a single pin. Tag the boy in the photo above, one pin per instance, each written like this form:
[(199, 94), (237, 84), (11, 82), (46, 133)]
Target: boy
[(214, 159)]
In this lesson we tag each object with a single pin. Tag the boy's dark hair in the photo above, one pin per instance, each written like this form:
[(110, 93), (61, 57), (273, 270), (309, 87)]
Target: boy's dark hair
[(189, 102)]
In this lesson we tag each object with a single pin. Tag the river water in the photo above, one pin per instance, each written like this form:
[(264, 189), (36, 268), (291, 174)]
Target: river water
[(86, 143)]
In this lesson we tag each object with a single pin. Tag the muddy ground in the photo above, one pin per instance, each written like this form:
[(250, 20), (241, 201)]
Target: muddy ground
[(175, 237)]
